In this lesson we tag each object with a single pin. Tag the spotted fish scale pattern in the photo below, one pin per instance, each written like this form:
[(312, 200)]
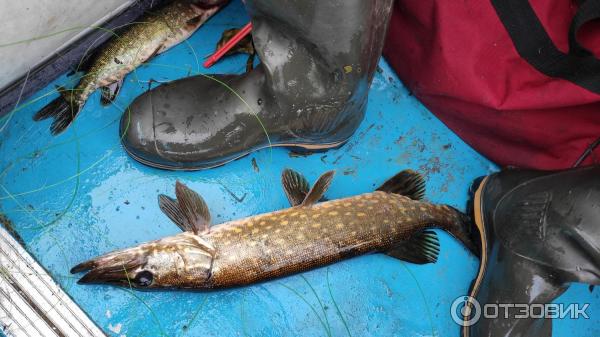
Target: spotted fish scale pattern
[(301, 238), (392, 220), (152, 34)]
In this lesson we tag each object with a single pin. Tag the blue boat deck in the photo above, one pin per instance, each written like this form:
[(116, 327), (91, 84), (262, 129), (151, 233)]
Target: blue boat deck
[(78, 195)]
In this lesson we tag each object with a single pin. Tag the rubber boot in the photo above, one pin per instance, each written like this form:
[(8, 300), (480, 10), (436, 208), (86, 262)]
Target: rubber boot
[(310, 91), (542, 233)]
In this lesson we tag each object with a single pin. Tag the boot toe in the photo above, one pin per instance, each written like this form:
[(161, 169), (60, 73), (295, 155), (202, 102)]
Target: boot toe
[(137, 131), (187, 125)]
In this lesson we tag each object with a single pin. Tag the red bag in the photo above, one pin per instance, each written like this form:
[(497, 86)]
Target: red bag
[(518, 80)]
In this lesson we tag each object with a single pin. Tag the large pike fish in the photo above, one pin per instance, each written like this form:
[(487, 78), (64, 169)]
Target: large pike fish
[(392, 220), (154, 33)]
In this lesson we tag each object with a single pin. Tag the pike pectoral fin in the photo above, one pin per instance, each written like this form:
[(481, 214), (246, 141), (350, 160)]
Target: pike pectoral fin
[(296, 187), (170, 207), (408, 183), (110, 92), (193, 208), (317, 191), (423, 247)]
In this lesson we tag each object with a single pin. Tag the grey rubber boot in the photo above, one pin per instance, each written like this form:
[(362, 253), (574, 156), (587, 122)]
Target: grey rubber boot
[(542, 233), (310, 91)]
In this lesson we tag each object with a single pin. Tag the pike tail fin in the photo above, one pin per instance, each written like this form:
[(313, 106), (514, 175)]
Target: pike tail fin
[(411, 184), (51, 109), (63, 110)]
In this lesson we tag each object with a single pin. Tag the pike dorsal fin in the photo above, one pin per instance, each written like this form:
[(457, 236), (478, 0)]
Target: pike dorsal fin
[(423, 247), (193, 209), (317, 191), (408, 183), (296, 187), (170, 207)]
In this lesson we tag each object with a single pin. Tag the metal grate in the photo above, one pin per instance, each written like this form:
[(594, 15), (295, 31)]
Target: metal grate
[(31, 303)]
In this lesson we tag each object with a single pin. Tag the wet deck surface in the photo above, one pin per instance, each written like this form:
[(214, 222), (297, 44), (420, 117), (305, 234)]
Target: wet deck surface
[(78, 195)]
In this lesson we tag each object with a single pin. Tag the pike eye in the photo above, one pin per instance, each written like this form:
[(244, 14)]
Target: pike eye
[(144, 278)]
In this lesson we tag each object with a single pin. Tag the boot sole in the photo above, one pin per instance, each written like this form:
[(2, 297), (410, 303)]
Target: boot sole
[(292, 146), (479, 222)]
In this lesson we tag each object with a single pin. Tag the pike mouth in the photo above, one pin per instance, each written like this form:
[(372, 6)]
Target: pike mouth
[(122, 269), (147, 265)]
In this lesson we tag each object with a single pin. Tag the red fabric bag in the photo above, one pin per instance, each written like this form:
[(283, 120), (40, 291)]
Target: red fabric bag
[(519, 80)]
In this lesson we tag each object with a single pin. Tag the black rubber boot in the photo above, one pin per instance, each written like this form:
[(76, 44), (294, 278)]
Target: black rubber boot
[(542, 232), (318, 60)]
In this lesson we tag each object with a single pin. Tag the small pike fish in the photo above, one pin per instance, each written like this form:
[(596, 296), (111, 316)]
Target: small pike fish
[(153, 34), (308, 235)]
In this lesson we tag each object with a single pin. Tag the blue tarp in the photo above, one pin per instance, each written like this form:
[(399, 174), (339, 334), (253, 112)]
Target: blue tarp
[(79, 195)]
